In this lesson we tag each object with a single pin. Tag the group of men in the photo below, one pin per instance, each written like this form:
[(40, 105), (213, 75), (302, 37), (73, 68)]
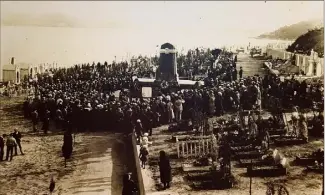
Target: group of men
[(12, 142)]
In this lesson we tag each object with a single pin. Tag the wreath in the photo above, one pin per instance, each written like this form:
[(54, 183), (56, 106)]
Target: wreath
[(164, 84)]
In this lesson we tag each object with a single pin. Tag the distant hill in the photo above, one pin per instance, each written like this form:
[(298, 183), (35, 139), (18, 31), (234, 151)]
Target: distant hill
[(293, 31), (55, 20), (46, 20), (313, 39)]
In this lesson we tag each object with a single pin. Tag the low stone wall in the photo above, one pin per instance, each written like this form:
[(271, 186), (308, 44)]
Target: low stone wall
[(312, 65), (137, 166)]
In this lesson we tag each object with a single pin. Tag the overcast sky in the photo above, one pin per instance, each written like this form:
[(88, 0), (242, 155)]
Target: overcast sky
[(254, 15)]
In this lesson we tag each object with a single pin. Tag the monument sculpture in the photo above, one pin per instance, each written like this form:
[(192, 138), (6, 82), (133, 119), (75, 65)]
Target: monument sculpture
[(167, 70), (166, 75)]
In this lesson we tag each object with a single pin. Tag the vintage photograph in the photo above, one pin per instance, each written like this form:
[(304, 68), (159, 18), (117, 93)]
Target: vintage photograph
[(162, 98)]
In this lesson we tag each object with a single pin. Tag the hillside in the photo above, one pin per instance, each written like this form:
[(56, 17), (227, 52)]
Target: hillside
[(293, 31), (313, 39)]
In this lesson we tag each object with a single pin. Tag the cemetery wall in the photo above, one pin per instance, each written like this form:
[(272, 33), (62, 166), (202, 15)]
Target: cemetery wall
[(312, 65), (137, 166)]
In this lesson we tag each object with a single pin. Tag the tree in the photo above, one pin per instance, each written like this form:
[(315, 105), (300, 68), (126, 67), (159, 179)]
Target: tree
[(313, 39)]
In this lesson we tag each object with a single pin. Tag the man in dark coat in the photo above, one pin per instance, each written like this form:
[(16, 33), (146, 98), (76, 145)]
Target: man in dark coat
[(2, 146), (11, 143), (35, 120), (165, 169), (25, 108), (67, 145), (129, 186), (46, 121), (234, 74), (17, 136), (241, 73)]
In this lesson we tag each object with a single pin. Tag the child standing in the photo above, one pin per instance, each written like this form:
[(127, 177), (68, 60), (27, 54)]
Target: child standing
[(143, 156)]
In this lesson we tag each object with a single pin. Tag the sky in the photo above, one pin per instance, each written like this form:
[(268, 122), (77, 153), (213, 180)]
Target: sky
[(255, 16)]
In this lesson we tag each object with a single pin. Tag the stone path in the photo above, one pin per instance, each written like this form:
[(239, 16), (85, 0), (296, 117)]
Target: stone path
[(251, 66)]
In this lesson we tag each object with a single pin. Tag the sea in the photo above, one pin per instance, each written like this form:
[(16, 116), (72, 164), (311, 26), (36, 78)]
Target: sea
[(69, 46)]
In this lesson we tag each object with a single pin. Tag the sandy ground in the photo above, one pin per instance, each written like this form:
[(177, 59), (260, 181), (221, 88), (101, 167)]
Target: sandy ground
[(96, 167)]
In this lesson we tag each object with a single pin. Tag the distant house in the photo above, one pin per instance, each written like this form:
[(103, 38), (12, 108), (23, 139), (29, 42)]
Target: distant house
[(16, 72)]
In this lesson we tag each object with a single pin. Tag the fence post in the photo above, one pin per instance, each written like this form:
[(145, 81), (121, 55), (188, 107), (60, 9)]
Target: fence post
[(178, 149), (187, 151), (195, 149), (182, 149)]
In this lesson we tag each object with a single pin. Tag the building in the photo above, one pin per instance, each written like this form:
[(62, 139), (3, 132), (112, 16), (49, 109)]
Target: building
[(16, 72)]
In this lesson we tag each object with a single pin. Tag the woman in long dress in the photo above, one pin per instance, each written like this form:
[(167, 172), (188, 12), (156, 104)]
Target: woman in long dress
[(165, 169), (170, 111)]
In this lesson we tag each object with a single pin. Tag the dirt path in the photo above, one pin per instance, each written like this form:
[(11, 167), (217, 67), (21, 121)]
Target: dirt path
[(96, 167), (99, 169), (251, 66)]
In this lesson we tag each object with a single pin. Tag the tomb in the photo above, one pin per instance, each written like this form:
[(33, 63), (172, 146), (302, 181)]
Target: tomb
[(266, 171)]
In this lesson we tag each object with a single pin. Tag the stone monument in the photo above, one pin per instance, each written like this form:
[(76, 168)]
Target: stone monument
[(167, 70)]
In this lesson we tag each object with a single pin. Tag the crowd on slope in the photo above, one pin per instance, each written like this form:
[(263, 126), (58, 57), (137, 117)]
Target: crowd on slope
[(87, 92), (82, 98)]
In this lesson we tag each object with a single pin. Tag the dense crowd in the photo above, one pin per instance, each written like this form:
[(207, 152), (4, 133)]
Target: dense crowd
[(82, 97)]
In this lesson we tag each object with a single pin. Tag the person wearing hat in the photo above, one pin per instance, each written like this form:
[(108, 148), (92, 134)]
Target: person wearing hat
[(17, 136), (240, 72), (219, 104), (10, 143), (138, 128), (129, 186)]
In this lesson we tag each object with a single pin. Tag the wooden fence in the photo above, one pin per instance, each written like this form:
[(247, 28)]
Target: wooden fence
[(195, 148)]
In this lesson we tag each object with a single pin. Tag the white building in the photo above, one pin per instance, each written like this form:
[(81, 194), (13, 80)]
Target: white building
[(16, 72)]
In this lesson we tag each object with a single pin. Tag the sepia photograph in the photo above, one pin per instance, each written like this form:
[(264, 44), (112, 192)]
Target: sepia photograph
[(162, 98)]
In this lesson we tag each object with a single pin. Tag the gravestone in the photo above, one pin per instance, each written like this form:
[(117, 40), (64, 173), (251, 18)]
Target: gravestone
[(167, 70)]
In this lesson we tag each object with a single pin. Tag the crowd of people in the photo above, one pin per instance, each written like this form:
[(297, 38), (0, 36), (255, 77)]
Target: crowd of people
[(84, 97)]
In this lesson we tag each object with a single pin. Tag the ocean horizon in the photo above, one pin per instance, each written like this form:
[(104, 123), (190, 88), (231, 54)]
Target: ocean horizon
[(69, 46)]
